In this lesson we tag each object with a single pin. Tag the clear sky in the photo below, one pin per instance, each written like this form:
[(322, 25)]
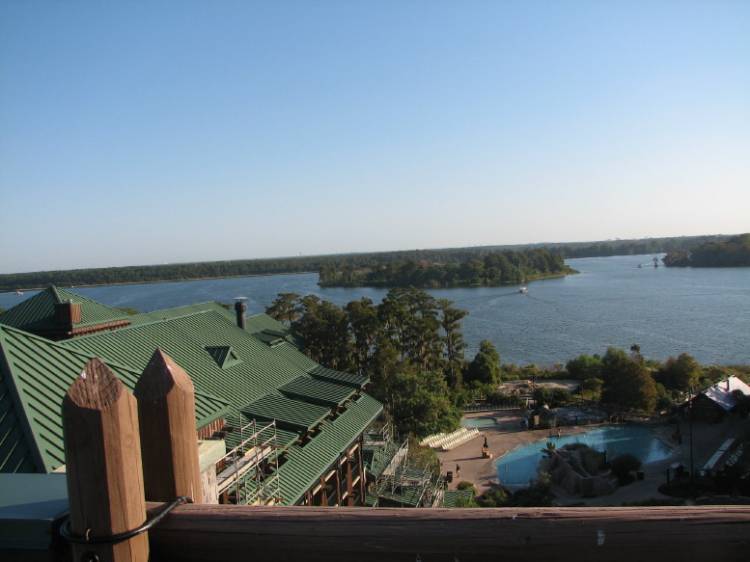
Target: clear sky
[(152, 132)]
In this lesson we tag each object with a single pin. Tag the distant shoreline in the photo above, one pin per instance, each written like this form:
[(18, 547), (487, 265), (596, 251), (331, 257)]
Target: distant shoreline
[(157, 281)]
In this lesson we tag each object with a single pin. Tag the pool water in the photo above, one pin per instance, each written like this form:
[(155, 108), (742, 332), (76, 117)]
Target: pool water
[(518, 467), (479, 422)]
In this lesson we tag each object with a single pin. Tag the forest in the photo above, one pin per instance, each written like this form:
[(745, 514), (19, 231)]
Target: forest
[(733, 252), (354, 261), (488, 270)]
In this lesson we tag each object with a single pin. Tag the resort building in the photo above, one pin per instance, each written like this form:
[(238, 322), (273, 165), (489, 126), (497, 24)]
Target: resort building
[(274, 426), (720, 399)]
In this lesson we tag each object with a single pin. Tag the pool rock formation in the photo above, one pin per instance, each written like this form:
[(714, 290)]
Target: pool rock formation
[(578, 469)]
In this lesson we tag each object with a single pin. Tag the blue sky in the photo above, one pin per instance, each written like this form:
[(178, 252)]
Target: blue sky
[(153, 132)]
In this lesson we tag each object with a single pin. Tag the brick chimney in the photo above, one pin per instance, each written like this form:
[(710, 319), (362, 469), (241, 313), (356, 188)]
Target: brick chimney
[(68, 313), (239, 309)]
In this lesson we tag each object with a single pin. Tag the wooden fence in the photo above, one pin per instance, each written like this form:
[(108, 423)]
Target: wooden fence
[(121, 452)]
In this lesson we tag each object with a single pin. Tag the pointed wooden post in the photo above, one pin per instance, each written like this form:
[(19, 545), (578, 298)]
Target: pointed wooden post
[(103, 465), (169, 442)]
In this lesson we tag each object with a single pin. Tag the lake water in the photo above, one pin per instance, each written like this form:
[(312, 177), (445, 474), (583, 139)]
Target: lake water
[(705, 312), (520, 465)]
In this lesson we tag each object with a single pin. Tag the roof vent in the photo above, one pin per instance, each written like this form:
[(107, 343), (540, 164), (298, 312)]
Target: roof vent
[(224, 355), (239, 308)]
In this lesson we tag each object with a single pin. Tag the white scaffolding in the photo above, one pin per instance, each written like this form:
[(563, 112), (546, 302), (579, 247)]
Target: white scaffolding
[(249, 472)]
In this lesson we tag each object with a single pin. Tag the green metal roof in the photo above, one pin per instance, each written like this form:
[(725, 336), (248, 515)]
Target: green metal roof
[(351, 379), (307, 464), (185, 339), (318, 391), (288, 413), (259, 322), (35, 374), (37, 313), (169, 313)]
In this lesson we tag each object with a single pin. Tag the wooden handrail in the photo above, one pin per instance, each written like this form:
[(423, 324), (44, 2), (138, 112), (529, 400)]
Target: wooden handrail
[(213, 533)]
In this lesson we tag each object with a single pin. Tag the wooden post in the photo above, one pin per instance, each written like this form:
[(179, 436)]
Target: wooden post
[(338, 483), (349, 482), (323, 492), (362, 483), (169, 443), (103, 465)]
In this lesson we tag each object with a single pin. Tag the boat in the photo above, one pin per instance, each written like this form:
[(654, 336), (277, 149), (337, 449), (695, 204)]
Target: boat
[(523, 291), (19, 293)]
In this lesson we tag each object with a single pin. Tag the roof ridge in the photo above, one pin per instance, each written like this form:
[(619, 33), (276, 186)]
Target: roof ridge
[(55, 293), (142, 324)]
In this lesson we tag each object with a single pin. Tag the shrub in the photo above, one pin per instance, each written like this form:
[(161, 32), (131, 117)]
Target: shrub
[(623, 467), (466, 485), (560, 397), (494, 497)]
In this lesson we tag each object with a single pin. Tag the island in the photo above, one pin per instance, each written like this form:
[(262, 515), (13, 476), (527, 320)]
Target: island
[(733, 252), (491, 269)]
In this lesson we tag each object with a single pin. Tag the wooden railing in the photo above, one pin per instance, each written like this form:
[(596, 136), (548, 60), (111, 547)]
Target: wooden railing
[(231, 533), (108, 432)]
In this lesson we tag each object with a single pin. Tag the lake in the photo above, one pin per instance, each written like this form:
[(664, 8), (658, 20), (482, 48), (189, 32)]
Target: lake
[(705, 312)]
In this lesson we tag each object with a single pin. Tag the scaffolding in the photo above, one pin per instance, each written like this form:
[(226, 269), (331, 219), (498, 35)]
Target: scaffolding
[(249, 472), (381, 435), (410, 486)]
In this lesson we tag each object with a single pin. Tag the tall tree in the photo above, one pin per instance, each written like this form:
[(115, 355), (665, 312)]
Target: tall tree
[(680, 373), (485, 367), (365, 327), (421, 404), (628, 384), (409, 318), (450, 322), (324, 329), (285, 308)]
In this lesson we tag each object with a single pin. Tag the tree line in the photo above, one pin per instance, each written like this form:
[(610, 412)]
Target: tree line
[(237, 268), (733, 252), (488, 270)]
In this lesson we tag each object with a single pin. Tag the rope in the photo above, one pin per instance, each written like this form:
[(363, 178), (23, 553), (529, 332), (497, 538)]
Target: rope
[(86, 538)]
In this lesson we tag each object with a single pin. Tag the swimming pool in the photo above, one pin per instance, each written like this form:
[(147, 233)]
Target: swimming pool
[(480, 422), (516, 468)]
